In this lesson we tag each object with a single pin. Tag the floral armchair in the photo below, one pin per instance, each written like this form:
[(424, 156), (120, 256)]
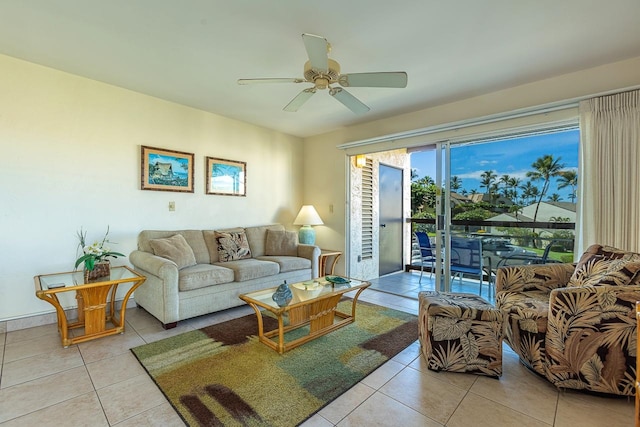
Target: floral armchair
[(575, 324)]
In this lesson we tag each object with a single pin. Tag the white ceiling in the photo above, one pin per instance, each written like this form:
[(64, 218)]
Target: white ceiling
[(192, 52)]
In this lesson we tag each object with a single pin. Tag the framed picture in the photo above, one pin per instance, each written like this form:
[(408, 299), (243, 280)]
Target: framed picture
[(166, 170), (226, 177)]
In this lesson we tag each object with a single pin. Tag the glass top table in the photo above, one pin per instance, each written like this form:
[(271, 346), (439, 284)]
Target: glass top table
[(313, 303), (96, 301), (76, 278)]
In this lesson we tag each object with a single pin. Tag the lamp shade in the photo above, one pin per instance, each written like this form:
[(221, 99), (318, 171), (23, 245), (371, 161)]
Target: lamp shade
[(308, 216)]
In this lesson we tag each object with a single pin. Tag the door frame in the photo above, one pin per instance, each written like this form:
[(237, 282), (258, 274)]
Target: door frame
[(443, 215), (401, 219)]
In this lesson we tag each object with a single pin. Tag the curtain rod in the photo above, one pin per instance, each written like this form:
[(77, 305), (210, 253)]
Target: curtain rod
[(461, 124)]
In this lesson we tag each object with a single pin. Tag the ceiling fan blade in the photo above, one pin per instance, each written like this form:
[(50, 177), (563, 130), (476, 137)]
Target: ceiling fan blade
[(390, 79), (300, 99), (252, 81), (317, 49), (349, 101)]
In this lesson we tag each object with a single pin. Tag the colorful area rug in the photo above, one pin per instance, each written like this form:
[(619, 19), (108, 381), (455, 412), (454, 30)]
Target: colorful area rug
[(222, 375)]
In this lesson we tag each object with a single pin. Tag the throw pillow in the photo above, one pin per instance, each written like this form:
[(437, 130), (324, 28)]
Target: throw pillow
[(281, 243), (605, 266), (232, 246), (174, 248)]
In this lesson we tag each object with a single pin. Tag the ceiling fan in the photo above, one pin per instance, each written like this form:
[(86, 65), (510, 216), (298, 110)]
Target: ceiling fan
[(323, 72)]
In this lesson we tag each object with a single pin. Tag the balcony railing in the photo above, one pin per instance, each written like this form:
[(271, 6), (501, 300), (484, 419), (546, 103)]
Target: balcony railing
[(508, 242)]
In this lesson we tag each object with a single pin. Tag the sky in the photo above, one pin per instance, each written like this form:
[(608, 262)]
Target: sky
[(510, 157)]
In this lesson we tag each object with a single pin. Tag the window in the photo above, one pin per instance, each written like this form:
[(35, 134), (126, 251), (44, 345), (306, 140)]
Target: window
[(522, 185)]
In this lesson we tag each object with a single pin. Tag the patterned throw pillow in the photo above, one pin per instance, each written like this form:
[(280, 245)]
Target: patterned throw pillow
[(605, 265), (232, 246)]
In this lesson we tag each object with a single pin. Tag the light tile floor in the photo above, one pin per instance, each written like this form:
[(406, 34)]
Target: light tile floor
[(100, 383)]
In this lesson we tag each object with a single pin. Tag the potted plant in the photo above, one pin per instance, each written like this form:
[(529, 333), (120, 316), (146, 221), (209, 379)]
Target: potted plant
[(94, 256)]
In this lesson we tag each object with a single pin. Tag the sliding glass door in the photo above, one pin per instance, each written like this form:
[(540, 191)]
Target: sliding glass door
[(493, 202)]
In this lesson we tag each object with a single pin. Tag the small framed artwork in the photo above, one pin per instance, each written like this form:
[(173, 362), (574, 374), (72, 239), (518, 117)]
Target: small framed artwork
[(166, 170), (226, 177)]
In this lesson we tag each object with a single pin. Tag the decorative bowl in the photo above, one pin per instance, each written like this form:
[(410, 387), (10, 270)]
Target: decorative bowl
[(336, 280)]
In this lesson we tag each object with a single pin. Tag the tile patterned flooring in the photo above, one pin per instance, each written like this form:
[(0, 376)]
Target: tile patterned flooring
[(100, 383)]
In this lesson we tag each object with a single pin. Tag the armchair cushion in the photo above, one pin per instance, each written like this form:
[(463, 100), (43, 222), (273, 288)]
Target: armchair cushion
[(174, 248), (534, 277), (591, 339), (604, 265), (525, 326)]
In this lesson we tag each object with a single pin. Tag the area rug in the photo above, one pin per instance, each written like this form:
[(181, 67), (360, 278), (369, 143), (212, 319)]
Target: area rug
[(222, 375)]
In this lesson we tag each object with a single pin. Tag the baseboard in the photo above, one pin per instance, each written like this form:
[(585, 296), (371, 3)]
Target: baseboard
[(46, 318)]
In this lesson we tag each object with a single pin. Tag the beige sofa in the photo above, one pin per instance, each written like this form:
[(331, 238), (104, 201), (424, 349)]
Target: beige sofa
[(194, 272)]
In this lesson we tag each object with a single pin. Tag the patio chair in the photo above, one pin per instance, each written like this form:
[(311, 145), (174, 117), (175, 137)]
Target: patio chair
[(467, 258), (426, 253), (529, 259)]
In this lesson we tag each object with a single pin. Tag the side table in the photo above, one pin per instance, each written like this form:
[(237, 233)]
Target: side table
[(325, 254), (92, 300)]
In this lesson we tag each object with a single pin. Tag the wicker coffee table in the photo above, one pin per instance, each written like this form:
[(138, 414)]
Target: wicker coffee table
[(315, 306)]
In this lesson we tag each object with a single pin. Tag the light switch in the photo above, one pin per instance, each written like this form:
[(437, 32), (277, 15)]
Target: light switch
[(172, 206), (330, 208)]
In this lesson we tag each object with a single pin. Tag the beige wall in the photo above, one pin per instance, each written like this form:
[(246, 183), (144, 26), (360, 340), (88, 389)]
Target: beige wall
[(325, 165), (71, 159)]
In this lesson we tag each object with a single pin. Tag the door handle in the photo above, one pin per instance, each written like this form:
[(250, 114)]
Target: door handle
[(383, 225)]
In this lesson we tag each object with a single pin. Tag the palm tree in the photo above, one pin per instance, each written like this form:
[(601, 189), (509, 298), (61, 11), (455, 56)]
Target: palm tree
[(555, 197), (514, 183), (426, 181), (493, 192), (569, 179), (504, 180), (455, 183), (516, 209), (486, 179), (529, 192), (546, 167)]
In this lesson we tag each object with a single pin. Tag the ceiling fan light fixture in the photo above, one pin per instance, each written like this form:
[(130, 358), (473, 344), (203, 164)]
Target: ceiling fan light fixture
[(321, 83), (331, 74), (323, 72)]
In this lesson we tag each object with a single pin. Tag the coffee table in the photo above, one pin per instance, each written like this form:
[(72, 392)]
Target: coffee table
[(92, 301), (315, 306)]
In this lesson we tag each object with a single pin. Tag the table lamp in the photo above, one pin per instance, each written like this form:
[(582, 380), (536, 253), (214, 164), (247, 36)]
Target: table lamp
[(306, 218)]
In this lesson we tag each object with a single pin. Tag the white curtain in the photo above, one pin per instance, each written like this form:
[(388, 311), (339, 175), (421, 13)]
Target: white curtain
[(609, 179)]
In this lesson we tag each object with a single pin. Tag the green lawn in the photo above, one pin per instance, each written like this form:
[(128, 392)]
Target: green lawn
[(558, 256)]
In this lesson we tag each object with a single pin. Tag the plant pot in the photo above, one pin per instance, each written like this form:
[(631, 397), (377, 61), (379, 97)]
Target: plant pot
[(100, 269)]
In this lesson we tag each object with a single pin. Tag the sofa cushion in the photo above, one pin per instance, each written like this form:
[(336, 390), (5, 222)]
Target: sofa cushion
[(247, 269), (604, 265), (174, 248), (257, 237), (232, 246), (194, 238), (203, 275), (288, 263), (281, 243)]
